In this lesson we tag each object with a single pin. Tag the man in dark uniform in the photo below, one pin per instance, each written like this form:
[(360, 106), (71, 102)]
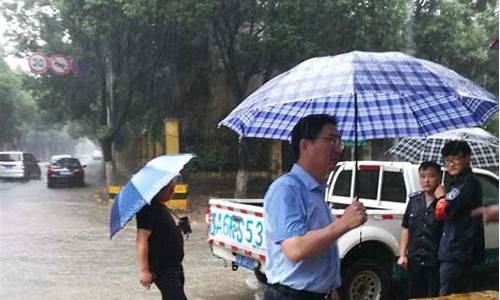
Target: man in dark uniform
[(462, 242), (160, 247), (420, 235)]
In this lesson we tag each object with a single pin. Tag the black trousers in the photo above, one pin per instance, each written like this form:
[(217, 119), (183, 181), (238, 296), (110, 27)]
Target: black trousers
[(170, 282), (274, 292), (454, 276), (423, 281)]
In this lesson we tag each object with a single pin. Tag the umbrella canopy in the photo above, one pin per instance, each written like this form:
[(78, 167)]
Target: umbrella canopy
[(143, 186), (484, 147), (387, 94)]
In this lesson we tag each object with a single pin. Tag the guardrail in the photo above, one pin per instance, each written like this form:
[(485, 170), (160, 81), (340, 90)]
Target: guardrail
[(179, 200)]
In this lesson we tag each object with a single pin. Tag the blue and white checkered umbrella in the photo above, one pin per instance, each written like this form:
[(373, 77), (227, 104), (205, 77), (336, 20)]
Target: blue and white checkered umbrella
[(143, 186), (396, 95), (484, 147)]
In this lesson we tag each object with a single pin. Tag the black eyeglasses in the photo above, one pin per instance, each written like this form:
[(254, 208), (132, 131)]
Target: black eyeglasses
[(453, 160), (333, 140)]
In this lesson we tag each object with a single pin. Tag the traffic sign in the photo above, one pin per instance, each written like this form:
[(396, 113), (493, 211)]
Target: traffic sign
[(38, 63), (59, 64)]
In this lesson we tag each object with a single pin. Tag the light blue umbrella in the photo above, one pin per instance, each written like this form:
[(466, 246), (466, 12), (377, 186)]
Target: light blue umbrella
[(143, 186), (372, 95)]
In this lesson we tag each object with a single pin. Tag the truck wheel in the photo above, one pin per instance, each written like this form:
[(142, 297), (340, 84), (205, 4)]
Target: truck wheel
[(365, 280), (261, 277)]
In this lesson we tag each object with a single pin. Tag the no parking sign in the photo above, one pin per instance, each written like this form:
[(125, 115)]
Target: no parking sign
[(59, 64)]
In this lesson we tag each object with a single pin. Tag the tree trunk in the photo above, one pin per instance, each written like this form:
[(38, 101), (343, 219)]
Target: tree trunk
[(110, 171), (109, 165), (241, 190), (275, 159), (242, 175)]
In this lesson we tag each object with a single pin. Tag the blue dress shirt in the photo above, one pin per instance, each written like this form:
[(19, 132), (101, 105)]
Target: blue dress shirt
[(294, 204)]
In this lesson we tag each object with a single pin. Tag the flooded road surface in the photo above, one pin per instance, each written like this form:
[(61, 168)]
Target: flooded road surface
[(54, 244)]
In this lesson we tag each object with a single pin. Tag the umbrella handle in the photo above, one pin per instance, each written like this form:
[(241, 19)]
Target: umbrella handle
[(356, 181)]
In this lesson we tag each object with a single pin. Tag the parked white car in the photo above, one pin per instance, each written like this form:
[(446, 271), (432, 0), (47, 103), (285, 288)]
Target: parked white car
[(19, 165)]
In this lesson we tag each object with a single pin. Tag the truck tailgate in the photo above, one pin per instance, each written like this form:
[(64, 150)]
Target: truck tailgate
[(235, 231)]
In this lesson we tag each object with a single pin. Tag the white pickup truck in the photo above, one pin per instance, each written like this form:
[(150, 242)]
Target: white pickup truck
[(368, 253)]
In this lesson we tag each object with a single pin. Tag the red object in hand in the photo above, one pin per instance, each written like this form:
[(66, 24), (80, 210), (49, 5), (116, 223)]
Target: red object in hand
[(440, 211)]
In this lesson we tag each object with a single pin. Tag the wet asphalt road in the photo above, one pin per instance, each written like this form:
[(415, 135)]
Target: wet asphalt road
[(54, 244)]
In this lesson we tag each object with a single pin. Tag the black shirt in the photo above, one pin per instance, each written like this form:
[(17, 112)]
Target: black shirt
[(166, 244), (463, 235), (424, 231)]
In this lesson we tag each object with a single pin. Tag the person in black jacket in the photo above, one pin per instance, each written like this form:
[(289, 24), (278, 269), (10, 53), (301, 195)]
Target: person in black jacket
[(462, 242), (160, 247), (420, 235)]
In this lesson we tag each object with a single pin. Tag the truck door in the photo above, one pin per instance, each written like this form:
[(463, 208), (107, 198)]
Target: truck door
[(393, 192)]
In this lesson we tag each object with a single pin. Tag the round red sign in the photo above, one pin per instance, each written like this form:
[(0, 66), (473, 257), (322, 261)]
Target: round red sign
[(60, 64), (38, 63)]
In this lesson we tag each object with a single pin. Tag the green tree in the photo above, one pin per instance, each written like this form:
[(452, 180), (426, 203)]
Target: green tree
[(9, 85), (17, 115), (456, 34), (256, 39), (167, 57), (141, 44)]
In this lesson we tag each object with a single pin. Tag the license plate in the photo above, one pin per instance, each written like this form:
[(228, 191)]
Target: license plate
[(245, 262), (66, 173), (241, 229)]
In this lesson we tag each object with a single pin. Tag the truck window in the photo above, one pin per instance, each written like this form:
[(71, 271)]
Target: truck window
[(393, 187), (343, 184), (368, 183), (490, 189)]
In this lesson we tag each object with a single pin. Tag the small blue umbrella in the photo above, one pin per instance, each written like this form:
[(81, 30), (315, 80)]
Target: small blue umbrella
[(372, 95), (143, 186)]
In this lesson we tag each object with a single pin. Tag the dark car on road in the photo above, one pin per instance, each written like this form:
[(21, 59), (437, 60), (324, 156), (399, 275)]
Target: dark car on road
[(67, 172)]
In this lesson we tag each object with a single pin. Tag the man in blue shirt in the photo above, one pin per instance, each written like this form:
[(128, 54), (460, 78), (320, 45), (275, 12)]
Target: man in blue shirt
[(302, 259)]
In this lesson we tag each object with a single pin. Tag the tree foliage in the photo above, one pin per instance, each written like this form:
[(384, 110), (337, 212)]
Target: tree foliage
[(17, 113), (146, 44), (457, 34), (8, 89), (169, 57)]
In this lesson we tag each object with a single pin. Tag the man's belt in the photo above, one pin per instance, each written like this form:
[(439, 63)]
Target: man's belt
[(301, 294)]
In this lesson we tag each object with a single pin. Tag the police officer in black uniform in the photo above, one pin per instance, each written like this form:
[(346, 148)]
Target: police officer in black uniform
[(420, 235), (462, 242)]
